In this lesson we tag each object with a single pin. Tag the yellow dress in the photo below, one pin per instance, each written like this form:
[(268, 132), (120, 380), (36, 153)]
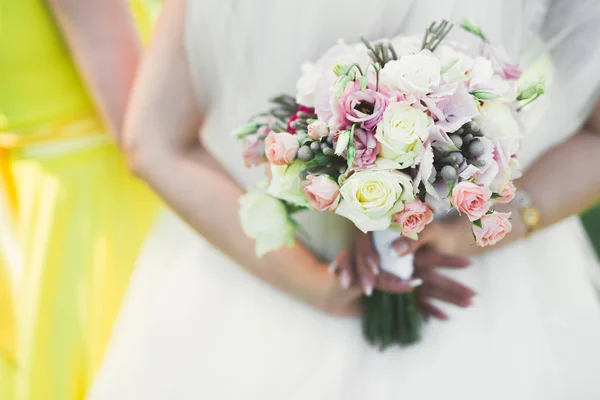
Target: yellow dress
[(79, 217)]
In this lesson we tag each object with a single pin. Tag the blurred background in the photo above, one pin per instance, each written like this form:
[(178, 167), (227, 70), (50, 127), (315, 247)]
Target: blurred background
[(591, 222)]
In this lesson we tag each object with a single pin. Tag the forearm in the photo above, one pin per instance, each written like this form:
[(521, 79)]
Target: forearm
[(198, 189), (102, 38), (565, 180), (562, 182)]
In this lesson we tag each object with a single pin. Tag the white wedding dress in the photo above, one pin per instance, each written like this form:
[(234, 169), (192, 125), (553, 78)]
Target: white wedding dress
[(195, 325)]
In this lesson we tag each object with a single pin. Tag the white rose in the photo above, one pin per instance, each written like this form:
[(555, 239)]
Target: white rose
[(480, 74), (286, 183), (265, 219), (454, 64), (401, 132), (370, 198), (307, 84), (319, 75), (415, 74), (498, 122)]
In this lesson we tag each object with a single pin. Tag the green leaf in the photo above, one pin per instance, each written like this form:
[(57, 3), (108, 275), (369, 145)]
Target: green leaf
[(451, 185), (249, 128), (318, 161), (485, 95), (496, 196), (477, 223)]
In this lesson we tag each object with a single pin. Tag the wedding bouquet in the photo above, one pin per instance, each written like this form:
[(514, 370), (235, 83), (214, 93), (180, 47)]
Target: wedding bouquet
[(387, 134)]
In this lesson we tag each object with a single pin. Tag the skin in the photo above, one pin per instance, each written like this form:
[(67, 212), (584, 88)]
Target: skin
[(107, 54), (158, 128)]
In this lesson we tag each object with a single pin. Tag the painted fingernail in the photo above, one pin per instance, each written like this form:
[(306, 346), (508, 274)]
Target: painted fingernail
[(332, 267), (415, 282), (401, 247), (374, 266), (345, 279), (367, 286)]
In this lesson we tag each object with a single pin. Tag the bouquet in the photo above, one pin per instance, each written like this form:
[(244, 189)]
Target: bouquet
[(388, 134)]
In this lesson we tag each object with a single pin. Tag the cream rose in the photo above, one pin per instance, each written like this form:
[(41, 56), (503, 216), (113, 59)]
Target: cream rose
[(370, 198), (265, 219), (286, 183), (401, 132), (415, 74), (493, 228)]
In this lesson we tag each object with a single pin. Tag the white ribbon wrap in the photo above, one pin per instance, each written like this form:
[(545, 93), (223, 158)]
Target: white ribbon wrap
[(402, 267)]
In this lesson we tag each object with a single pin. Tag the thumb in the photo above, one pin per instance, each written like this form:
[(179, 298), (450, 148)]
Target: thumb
[(404, 245)]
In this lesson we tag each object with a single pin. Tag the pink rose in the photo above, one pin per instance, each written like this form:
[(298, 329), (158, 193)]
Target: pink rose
[(360, 106), (493, 228), (414, 217), (367, 148), (507, 193), (317, 130), (322, 193), (254, 151), (305, 109), (281, 148), (471, 199), (500, 61)]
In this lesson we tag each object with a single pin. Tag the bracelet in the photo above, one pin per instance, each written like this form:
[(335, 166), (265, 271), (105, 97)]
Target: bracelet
[(530, 214)]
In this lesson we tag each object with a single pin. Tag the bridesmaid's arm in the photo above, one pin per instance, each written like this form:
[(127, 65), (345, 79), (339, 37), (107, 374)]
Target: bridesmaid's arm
[(564, 181), (103, 40), (163, 148)]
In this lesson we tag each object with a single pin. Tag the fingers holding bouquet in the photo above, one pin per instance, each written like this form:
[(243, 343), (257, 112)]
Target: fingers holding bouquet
[(428, 282)]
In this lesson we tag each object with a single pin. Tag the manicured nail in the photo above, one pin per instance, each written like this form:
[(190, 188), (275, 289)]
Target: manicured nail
[(415, 282), (332, 267), (367, 287), (345, 279), (401, 247), (373, 265)]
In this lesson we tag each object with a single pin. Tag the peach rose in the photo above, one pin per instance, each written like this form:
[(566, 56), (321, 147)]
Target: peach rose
[(507, 194), (281, 148), (493, 228), (414, 217), (322, 193), (471, 199)]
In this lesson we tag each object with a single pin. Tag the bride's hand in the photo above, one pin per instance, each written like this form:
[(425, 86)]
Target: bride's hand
[(347, 280), (427, 261)]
